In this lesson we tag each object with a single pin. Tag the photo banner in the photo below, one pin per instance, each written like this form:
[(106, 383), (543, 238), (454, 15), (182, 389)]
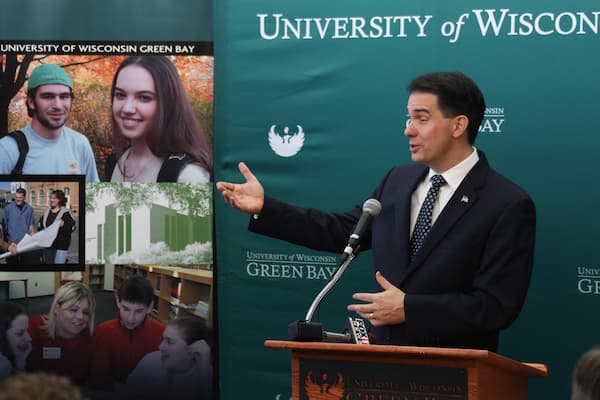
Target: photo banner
[(166, 226), (312, 96)]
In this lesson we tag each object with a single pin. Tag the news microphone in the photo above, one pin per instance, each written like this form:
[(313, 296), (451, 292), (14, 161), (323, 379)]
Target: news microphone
[(357, 331), (371, 209)]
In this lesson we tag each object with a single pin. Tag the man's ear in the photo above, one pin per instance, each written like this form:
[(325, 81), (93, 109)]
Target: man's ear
[(30, 103), (150, 308), (117, 300), (460, 125)]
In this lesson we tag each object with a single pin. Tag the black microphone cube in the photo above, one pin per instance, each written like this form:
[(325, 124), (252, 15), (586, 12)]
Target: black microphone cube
[(305, 331)]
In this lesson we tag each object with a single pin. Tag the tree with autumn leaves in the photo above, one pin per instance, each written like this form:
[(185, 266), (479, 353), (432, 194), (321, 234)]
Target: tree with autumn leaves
[(92, 77)]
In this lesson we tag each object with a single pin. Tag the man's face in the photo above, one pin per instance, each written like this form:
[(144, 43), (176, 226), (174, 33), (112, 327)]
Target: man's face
[(431, 135), (132, 314), (51, 105), (19, 199)]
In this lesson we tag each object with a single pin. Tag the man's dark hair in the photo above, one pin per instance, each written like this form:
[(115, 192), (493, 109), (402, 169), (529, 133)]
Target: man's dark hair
[(136, 289), (457, 95), (22, 191)]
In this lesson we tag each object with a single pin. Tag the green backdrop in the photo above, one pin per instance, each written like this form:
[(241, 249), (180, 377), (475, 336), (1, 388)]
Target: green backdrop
[(338, 70), (131, 20)]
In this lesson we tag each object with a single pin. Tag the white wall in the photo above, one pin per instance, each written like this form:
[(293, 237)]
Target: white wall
[(140, 230), (39, 284), (109, 276)]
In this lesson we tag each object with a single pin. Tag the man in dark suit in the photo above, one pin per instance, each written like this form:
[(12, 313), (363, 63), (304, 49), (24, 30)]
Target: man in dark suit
[(453, 259)]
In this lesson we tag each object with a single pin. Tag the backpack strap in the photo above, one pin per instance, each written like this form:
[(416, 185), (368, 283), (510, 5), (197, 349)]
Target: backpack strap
[(172, 166), (23, 147), (109, 166)]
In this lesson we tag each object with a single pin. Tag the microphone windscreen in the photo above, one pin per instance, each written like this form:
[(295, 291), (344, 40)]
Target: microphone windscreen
[(372, 207)]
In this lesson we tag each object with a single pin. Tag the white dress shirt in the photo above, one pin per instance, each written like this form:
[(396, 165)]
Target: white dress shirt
[(454, 176)]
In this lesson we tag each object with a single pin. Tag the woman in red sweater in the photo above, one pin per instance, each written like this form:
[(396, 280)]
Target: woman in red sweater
[(62, 340)]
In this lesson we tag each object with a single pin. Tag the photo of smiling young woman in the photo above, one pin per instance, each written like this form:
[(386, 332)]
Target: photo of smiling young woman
[(153, 121), (62, 340)]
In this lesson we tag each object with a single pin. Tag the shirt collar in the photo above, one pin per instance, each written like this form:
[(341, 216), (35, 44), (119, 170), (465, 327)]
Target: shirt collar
[(456, 174)]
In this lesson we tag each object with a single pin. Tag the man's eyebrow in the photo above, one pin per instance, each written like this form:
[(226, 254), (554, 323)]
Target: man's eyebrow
[(420, 110), (55, 93)]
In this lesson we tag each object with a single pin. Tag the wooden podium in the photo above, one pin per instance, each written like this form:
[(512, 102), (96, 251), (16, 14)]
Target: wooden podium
[(375, 372)]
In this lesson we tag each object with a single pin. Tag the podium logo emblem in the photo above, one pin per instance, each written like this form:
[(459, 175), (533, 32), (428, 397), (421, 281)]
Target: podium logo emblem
[(287, 145), (324, 387)]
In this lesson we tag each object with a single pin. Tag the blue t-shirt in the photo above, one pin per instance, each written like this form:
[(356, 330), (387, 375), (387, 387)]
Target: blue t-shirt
[(18, 220), (70, 153)]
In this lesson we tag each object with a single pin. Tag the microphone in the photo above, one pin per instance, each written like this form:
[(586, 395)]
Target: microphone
[(371, 209), (357, 331), (306, 330)]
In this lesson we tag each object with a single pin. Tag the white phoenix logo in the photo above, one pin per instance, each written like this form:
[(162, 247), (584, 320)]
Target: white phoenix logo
[(288, 145)]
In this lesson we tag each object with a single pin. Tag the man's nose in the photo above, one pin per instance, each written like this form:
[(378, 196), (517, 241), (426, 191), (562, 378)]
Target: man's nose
[(409, 130)]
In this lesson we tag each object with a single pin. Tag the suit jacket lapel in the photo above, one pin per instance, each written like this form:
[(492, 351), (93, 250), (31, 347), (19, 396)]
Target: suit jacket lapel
[(463, 199)]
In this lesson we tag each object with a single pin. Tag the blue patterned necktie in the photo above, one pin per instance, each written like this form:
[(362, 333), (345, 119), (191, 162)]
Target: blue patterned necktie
[(423, 224)]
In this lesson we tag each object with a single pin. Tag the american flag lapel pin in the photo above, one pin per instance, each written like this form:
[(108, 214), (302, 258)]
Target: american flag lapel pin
[(464, 199)]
